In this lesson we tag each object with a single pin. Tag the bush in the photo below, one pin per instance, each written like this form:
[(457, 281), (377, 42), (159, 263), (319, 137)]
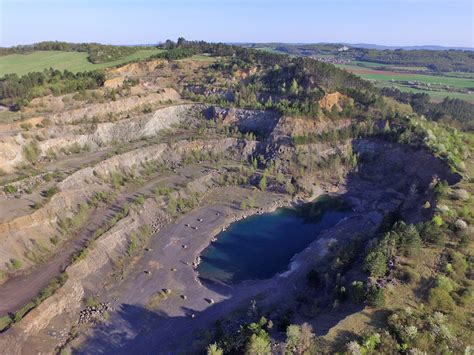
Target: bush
[(16, 264), (54, 240), (375, 296), (440, 300), (50, 192), (10, 189), (213, 349), (258, 345), (31, 152), (299, 339), (92, 302), (357, 292), (140, 199), (432, 232)]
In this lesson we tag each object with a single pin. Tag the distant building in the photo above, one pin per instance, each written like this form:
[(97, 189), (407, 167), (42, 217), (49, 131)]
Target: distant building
[(343, 49)]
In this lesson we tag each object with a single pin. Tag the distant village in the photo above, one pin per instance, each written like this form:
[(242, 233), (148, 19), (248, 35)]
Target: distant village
[(334, 59)]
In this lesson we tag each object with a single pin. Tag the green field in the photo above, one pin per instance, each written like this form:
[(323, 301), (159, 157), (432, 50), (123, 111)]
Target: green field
[(385, 78), (73, 61), (428, 79)]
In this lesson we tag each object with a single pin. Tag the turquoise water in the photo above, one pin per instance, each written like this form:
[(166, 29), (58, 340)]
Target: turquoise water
[(263, 245)]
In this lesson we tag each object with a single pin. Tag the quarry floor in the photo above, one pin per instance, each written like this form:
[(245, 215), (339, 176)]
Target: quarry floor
[(174, 323)]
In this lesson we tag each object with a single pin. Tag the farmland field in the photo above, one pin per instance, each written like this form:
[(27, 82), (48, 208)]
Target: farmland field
[(393, 78), (73, 61), (375, 65)]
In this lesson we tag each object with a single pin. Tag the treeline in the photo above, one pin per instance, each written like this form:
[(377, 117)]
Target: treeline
[(457, 112), (435, 60), (16, 91), (98, 53)]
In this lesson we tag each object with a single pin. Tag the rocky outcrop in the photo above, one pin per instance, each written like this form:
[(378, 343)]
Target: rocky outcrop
[(261, 122), (334, 99), (10, 152)]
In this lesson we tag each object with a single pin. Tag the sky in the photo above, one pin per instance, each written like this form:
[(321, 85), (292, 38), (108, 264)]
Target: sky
[(385, 22)]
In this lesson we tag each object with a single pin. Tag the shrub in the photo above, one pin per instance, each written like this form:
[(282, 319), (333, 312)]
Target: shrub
[(458, 262), (357, 292), (16, 264), (440, 300), (26, 126), (375, 296), (432, 233), (258, 345), (133, 245), (263, 183), (31, 152), (92, 302), (445, 283), (140, 199), (299, 339), (54, 240), (10, 189), (213, 349), (50, 192)]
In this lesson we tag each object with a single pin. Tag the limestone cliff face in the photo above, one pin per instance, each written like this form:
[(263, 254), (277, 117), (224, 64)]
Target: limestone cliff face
[(121, 105), (25, 233), (10, 152), (137, 69), (144, 126), (123, 131)]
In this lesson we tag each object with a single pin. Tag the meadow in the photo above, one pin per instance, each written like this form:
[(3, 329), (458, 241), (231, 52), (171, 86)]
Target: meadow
[(73, 61)]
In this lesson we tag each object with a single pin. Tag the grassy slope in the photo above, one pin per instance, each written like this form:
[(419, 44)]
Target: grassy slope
[(73, 61)]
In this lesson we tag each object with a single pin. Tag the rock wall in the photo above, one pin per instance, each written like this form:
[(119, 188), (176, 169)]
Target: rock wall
[(25, 233), (123, 131), (122, 105)]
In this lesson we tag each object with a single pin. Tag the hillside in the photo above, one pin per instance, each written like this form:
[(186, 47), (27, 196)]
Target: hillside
[(440, 73), (118, 187)]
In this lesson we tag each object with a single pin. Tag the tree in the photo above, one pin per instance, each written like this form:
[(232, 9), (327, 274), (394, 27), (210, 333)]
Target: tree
[(181, 41), (440, 299), (357, 292), (213, 349), (299, 339), (376, 264), (263, 183), (375, 296), (289, 188), (294, 88), (258, 345), (254, 163)]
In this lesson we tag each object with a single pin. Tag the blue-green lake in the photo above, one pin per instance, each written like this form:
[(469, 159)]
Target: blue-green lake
[(262, 245)]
